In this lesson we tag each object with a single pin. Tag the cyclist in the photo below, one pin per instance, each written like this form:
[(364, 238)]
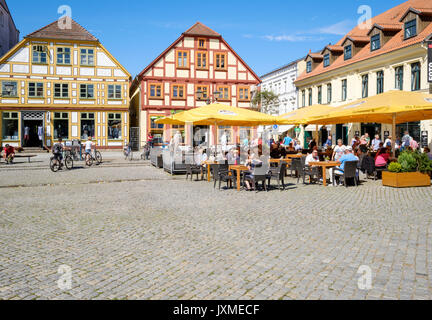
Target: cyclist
[(9, 154), (58, 151), (88, 147)]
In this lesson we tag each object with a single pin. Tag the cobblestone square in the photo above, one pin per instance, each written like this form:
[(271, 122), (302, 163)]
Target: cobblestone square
[(130, 231)]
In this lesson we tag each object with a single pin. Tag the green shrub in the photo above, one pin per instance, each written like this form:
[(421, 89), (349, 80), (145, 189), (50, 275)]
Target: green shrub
[(408, 161), (395, 167), (411, 161)]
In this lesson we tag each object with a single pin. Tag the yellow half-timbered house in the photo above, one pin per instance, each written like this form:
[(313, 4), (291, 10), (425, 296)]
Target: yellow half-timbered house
[(60, 82)]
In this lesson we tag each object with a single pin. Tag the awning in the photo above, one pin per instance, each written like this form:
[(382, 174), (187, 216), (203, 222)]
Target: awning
[(283, 129), (312, 128)]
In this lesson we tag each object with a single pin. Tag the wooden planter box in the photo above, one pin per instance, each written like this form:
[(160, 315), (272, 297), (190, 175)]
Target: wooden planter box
[(405, 179)]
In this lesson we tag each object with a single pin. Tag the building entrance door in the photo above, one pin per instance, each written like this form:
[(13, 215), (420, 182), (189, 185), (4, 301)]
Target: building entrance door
[(32, 128)]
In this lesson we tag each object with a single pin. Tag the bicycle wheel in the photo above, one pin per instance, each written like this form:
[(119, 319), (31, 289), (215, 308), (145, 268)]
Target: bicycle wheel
[(89, 160), (54, 165), (98, 157), (69, 163)]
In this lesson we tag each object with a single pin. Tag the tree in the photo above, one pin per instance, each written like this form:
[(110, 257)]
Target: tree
[(263, 100)]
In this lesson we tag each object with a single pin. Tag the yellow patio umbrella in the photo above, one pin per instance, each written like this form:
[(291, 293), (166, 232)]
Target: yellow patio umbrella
[(392, 107), (221, 115), (301, 115)]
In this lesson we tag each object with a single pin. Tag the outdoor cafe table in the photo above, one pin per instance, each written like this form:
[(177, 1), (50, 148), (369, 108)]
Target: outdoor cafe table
[(209, 164), (325, 165), (239, 169)]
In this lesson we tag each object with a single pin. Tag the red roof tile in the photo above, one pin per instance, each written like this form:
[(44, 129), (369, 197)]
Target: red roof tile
[(199, 29), (53, 31), (389, 18)]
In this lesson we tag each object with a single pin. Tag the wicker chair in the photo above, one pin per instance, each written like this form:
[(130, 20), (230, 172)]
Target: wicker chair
[(191, 170), (222, 174)]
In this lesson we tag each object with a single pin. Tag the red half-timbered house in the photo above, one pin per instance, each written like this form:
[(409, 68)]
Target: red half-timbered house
[(198, 68)]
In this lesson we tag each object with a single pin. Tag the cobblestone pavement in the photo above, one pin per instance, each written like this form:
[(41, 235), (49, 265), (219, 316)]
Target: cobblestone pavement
[(130, 231)]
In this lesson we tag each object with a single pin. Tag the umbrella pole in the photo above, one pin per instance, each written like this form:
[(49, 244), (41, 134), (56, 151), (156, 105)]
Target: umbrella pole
[(317, 136), (394, 134)]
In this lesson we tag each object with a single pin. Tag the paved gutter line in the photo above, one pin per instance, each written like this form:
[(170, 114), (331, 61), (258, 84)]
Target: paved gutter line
[(82, 183)]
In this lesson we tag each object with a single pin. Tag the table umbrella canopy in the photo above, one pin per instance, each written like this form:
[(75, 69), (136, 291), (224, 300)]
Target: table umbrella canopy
[(221, 115), (392, 107), (302, 115)]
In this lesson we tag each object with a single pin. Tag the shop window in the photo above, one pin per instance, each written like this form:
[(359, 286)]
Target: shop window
[(154, 125), (61, 125), (10, 126), (87, 91), (114, 126), (61, 90), (63, 56), (36, 90), (87, 125), (114, 92), (9, 89), (87, 57)]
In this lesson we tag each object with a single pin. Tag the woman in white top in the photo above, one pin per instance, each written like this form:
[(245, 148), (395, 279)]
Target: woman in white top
[(339, 150)]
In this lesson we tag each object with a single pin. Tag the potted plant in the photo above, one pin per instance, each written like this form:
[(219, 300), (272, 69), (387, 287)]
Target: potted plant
[(411, 170)]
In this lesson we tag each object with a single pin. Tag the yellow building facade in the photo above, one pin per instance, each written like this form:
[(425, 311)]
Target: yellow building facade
[(62, 83), (388, 53)]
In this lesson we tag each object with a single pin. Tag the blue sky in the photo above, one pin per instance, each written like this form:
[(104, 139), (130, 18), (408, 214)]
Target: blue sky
[(266, 34)]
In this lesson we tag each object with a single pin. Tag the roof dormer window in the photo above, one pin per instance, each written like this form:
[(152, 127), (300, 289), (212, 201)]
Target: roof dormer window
[(348, 52), (309, 66), (410, 29), (326, 60), (375, 42)]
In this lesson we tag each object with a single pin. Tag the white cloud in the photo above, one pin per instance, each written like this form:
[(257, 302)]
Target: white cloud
[(341, 28), (291, 38)]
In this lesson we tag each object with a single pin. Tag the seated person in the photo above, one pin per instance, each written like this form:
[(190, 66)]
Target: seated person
[(428, 152), (313, 157), (252, 163), (339, 171), (382, 158), (275, 152), (9, 154)]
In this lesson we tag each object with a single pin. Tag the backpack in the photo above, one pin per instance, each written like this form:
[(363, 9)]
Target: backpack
[(57, 148)]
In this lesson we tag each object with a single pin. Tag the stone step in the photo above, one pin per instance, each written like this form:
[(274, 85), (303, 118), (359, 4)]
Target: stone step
[(33, 150)]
